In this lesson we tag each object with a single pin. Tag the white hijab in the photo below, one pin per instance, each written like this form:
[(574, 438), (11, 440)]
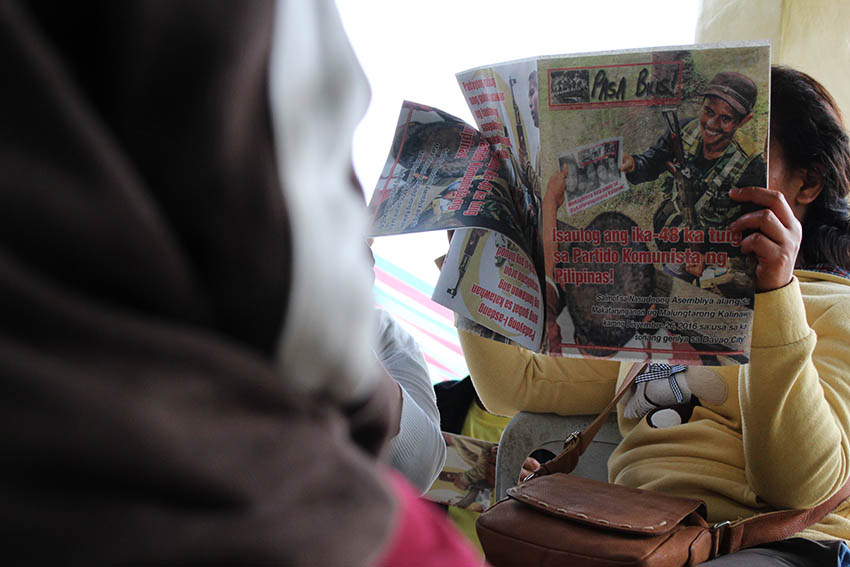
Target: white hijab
[(318, 95)]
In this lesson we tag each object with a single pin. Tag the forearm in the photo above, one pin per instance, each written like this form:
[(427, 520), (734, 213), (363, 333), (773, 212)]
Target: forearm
[(549, 221), (652, 162), (376, 419), (509, 379), (418, 451), (402, 358), (794, 398)]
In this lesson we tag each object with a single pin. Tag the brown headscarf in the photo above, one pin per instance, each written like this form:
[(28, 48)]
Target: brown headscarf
[(145, 262)]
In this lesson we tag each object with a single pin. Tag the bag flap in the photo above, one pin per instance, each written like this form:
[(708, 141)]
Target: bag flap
[(606, 505)]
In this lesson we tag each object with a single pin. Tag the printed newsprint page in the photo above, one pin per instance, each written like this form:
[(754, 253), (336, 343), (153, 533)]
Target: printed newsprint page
[(503, 300), (640, 150), (443, 174), (603, 192), (468, 478)]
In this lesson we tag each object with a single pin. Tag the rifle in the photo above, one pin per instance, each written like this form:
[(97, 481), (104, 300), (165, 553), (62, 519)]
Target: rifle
[(520, 132), (681, 172), (468, 251)]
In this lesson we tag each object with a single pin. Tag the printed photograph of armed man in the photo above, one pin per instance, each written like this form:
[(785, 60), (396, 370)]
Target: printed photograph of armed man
[(705, 156), (655, 266)]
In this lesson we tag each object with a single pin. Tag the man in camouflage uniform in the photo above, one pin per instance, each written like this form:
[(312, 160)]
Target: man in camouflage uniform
[(717, 156)]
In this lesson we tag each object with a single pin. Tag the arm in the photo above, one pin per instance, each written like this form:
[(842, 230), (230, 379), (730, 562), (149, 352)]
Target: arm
[(795, 393), (509, 379), (418, 451), (552, 201), (795, 397), (651, 163)]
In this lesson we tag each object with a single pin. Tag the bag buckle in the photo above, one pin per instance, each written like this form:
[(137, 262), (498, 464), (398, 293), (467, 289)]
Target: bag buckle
[(529, 476), (718, 535), (720, 526), (571, 438)]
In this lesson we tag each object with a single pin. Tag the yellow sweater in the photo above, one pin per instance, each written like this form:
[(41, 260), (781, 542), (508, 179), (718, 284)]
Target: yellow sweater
[(777, 437)]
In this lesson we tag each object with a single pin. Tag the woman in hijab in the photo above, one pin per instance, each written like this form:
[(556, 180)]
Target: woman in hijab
[(185, 378)]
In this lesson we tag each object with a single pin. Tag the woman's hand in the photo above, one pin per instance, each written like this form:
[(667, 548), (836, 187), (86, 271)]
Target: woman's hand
[(552, 201), (776, 240), (529, 466), (555, 195)]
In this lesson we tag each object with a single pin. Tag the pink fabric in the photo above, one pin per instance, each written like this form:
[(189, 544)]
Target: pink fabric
[(423, 536)]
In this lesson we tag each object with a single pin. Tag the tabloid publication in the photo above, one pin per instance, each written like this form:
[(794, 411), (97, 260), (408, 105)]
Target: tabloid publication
[(469, 476), (591, 201)]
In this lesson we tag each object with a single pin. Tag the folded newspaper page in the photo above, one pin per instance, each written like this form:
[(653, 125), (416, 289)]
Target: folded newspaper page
[(593, 200), (468, 478)]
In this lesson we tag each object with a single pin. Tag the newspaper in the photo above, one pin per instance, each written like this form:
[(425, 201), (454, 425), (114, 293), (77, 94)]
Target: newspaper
[(468, 477), (590, 203), (593, 174)]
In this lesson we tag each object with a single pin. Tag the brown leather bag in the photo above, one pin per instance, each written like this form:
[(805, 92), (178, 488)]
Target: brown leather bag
[(554, 518)]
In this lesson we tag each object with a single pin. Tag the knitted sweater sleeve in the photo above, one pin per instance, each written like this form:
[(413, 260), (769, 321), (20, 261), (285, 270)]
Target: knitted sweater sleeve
[(795, 396), (510, 379), (418, 451)]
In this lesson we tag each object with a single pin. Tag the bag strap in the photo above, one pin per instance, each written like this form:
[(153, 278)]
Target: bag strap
[(774, 526), (577, 442), (729, 536)]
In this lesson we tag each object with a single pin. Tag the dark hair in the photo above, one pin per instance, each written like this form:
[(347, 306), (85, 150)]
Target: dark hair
[(806, 122)]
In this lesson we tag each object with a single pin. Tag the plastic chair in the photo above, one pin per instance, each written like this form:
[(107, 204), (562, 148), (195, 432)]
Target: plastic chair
[(528, 431)]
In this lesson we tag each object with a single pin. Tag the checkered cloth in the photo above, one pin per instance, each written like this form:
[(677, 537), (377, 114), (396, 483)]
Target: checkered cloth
[(662, 371)]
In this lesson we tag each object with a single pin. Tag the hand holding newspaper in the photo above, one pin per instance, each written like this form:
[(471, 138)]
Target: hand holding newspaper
[(593, 200)]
